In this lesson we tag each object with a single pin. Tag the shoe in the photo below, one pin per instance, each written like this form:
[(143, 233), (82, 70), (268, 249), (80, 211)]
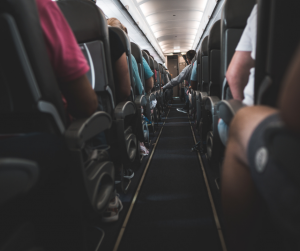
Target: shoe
[(111, 214), (182, 110), (128, 174), (144, 150)]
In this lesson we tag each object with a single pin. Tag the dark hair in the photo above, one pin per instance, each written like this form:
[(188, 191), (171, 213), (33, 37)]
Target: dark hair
[(147, 52), (191, 54)]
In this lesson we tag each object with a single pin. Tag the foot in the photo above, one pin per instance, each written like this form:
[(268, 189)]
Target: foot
[(111, 214)]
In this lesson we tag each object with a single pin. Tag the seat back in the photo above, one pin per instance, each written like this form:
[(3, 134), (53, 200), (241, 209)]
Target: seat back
[(29, 92), (233, 22), (204, 70), (126, 43), (280, 47), (137, 53), (93, 39), (214, 59), (151, 64)]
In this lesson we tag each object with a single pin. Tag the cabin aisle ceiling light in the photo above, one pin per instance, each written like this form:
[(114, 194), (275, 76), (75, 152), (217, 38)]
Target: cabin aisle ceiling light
[(175, 23)]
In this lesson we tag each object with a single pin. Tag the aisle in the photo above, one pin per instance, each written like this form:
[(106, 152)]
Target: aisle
[(172, 211)]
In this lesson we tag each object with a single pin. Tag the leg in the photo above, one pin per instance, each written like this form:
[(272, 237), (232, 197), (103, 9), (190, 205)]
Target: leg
[(240, 200)]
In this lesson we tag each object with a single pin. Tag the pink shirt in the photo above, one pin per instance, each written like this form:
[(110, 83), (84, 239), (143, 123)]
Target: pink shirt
[(66, 58)]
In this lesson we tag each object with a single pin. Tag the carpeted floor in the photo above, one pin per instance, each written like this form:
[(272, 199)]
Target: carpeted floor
[(172, 211)]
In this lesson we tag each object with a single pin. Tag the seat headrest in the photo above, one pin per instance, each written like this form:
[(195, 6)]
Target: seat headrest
[(236, 12), (82, 14), (203, 47), (214, 39), (136, 52)]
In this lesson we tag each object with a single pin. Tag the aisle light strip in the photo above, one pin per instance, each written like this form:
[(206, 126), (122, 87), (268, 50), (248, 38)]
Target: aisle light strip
[(218, 225), (137, 192)]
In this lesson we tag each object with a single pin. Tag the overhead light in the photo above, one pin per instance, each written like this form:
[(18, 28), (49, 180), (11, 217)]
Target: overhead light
[(176, 51)]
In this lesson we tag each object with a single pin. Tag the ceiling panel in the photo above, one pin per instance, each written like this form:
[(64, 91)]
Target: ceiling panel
[(174, 22)]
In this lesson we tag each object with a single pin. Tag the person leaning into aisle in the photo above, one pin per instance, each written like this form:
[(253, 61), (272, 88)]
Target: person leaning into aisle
[(184, 75)]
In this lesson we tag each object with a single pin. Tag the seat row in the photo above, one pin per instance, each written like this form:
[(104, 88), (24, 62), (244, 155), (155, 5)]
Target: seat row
[(215, 54), (31, 103)]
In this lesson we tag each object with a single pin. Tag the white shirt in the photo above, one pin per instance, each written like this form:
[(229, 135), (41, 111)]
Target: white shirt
[(248, 43)]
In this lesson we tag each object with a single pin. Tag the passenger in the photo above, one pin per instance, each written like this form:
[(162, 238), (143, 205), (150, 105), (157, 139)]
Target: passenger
[(241, 71), (116, 23), (147, 71), (261, 169), (184, 75)]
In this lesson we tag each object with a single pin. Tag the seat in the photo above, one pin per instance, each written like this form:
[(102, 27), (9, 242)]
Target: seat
[(233, 22), (273, 53), (210, 122), (122, 136), (137, 53), (25, 67)]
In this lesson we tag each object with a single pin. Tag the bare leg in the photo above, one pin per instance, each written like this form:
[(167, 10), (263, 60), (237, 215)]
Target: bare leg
[(240, 200)]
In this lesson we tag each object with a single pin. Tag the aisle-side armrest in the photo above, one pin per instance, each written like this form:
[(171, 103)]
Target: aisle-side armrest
[(228, 108), (211, 104), (202, 95), (140, 100), (82, 130), (124, 109)]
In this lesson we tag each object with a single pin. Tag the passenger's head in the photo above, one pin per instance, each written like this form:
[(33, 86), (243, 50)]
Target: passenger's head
[(116, 23), (190, 55)]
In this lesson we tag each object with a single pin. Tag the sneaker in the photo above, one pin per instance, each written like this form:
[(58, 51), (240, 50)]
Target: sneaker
[(128, 174), (111, 214), (182, 110), (144, 150)]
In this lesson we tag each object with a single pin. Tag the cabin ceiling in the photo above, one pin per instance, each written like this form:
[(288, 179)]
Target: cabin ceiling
[(174, 22)]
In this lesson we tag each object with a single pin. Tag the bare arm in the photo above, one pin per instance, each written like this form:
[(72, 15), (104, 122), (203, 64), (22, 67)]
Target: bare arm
[(124, 87), (289, 101), (149, 84), (81, 98), (238, 72)]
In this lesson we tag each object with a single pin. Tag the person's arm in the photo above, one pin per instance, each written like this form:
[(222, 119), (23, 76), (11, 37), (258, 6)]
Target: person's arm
[(81, 98), (289, 101), (238, 73), (149, 84), (122, 73), (176, 81)]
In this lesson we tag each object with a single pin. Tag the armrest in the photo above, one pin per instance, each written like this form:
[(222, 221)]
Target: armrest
[(228, 108), (17, 176), (82, 130), (124, 109), (211, 104), (203, 96), (140, 100)]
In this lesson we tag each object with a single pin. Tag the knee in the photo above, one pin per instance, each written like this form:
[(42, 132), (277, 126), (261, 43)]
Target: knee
[(245, 122)]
